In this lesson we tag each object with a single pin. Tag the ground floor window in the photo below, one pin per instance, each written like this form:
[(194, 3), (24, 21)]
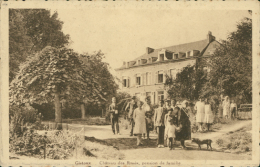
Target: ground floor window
[(160, 95)]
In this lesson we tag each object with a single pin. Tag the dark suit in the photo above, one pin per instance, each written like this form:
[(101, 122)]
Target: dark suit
[(114, 117)]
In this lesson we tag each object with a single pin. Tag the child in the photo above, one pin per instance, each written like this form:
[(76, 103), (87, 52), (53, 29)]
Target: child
[(233, 108), (166, 117), (171, 128)]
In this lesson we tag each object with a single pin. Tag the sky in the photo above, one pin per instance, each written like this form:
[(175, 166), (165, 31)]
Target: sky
[(124, 34)]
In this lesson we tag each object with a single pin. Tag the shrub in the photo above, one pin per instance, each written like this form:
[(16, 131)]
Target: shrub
[(59, 144), (220, 142), (19, 116), (30, 144)]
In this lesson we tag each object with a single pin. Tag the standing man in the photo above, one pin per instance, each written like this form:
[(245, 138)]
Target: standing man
[(159, 123), (113, 110), (132, 106), (147, 108)]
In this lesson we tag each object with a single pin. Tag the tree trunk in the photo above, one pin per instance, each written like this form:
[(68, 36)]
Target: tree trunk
[(82, 106), (57, 111)]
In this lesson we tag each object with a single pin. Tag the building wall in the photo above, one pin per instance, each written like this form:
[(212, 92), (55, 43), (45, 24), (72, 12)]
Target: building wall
[(153, 88)]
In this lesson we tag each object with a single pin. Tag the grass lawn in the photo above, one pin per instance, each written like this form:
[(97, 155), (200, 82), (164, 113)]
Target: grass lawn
[(239, 142)]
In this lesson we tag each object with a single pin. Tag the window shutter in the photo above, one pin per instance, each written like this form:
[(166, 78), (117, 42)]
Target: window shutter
[(142, 79), (150, 78), (135, 79), (164, 76), (127, 81), (144, 82), (156, 77), (122, 81)]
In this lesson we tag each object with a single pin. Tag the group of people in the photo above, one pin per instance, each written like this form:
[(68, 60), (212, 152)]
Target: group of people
[(204, 113), (228, 109), (171, 122)]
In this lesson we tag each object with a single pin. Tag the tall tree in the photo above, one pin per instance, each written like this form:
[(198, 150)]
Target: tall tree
[(52, 75), (231, 66), (99, 70), (187, 83), (31, 30)]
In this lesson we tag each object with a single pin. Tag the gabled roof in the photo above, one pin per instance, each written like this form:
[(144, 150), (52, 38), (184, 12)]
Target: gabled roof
[(198, 45), (203, 46)]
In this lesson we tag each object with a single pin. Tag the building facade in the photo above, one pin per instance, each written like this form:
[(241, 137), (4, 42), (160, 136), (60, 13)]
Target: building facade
[(146, 75)]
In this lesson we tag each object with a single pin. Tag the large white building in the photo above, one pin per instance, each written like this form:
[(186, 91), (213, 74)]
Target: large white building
[(145, 75)]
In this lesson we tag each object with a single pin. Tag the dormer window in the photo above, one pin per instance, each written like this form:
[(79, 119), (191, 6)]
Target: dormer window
[(154, 59), (182, 55), (188, 54), (176, 56), (161, 57), (143, 61), (168, 55)]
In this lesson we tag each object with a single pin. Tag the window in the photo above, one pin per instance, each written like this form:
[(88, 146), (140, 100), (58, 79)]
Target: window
[(138, 80), (148, 94), (173, 73), (160, 95), (161, 57), (188, 54), (148, 78), (160, 77), (125, 83), (175, 56)]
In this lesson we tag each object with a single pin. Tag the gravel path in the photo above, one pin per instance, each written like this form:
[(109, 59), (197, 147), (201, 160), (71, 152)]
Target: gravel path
[(149, 150)]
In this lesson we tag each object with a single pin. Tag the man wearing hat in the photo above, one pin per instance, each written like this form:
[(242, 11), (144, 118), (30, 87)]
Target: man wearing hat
[(132, 106), (113, 110), (159, 123)]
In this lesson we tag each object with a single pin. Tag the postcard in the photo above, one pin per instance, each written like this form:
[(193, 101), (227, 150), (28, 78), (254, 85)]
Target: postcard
[(129, 83)]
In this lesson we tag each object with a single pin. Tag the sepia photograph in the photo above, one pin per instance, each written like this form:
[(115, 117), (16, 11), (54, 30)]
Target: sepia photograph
[(126, 85)]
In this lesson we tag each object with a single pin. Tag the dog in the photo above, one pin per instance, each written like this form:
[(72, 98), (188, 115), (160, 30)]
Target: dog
[(201, 142)]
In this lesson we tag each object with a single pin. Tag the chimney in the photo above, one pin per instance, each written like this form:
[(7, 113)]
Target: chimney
[(149, 50), (210, 37)]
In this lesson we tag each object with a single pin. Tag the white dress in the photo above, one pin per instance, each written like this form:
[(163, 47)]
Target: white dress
[(140, 124), (226, 108), (170, 131), (200, 107), (209, 117)]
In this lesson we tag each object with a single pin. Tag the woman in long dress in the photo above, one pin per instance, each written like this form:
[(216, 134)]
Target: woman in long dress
[(200, 108), (209, 116), (140, 123), (184, 125), (226, 107)]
